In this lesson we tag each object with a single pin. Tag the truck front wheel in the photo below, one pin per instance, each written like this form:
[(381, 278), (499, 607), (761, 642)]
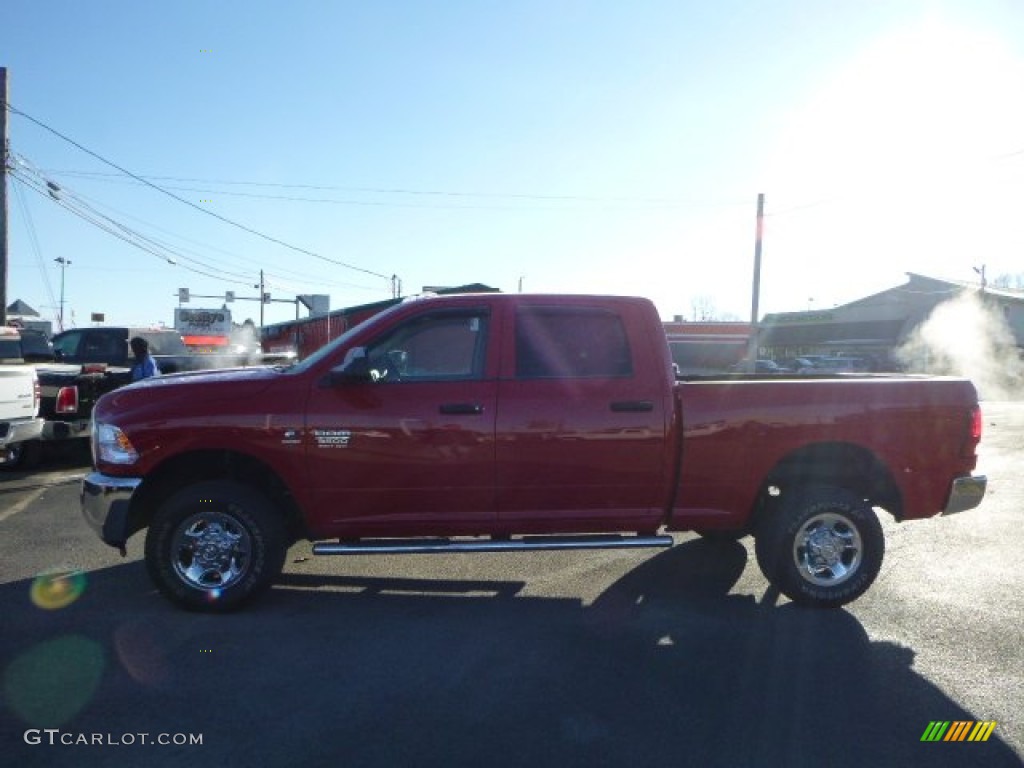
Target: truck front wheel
[(213, 545), (823, 548)]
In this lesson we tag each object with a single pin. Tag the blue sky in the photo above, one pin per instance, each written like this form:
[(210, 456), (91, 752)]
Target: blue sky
[(602, 147)]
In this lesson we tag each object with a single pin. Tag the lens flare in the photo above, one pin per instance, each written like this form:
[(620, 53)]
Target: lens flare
[(51, 683), (53, 591), (140, 649)]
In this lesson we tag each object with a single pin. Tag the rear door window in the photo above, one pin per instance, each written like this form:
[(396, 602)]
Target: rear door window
[(555, 342)]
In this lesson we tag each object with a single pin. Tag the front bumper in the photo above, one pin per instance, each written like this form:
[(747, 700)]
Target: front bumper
[(106, 502), (965, 493), (20, 431)]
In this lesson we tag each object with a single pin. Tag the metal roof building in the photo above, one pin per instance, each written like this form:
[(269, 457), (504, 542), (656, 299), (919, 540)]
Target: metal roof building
[(882, 323)]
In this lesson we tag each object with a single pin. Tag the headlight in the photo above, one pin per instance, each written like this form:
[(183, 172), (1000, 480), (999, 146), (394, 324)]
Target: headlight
[(113, 445)]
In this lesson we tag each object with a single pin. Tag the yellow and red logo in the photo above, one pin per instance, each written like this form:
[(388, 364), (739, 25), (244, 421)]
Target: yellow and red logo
[(958, 730)]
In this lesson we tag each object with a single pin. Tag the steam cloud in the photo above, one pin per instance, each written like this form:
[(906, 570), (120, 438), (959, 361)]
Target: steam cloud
[(968, 336), (245, 335)]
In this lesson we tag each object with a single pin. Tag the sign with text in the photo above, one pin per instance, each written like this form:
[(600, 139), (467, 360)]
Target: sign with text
[(202, 322)]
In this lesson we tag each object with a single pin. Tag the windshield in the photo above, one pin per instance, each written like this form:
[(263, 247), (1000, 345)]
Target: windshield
[(328, 349)]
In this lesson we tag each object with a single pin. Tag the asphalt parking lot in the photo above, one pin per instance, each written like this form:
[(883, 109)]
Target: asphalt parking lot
[(621, 658)]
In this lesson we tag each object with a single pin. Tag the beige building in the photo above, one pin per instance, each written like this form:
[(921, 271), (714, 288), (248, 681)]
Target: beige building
[(876, 326)]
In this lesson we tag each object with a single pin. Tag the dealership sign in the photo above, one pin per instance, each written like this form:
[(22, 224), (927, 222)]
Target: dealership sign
[(202, 322)]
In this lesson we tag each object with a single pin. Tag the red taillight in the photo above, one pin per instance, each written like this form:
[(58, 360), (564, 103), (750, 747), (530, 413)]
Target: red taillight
[(67, 400), (37, 395), (970, 446), (976, 423)]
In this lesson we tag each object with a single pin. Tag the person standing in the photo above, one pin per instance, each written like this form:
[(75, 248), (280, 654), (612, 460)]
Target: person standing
[(145, 366)]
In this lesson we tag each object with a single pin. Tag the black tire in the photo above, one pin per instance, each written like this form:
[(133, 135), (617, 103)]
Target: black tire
[(214, 545), (23, 455), (822, 548)]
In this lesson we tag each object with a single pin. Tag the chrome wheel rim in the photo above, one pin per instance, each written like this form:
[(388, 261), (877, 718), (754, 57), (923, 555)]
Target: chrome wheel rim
[(828, 549), (211, 551)]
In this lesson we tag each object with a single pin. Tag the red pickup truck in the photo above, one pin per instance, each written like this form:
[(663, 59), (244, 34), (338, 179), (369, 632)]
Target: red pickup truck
[(509, 422)]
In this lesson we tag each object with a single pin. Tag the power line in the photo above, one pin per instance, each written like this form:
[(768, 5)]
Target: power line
[(74, 204), (661, 201), (135, 235), (189, 203), (34, 241), (62, 194), (247, 262), (122, 233)]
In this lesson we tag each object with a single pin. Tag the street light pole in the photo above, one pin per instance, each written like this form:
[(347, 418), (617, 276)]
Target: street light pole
[(63, 265)]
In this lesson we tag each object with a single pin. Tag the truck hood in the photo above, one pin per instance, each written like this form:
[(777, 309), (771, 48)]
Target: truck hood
[(212, 386)]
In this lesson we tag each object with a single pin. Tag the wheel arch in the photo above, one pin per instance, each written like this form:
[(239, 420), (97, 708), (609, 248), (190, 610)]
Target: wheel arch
[(837, 464), (207, 465)]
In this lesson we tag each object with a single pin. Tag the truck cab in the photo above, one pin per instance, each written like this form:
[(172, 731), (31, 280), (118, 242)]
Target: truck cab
[(109, 346)]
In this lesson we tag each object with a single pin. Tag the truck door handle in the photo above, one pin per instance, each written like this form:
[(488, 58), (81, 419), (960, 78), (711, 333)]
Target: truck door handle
[(632, 406), (461, 408)]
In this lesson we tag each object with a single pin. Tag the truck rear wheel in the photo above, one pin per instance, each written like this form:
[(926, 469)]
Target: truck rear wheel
[(23, 455), (823, 548), (214, 545)]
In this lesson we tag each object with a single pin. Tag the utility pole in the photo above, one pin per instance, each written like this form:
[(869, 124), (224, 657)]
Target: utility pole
[(3, 195), (263, 300), (756, 292)]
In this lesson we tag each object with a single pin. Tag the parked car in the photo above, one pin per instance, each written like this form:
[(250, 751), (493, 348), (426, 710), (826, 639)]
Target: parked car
[(841, 365), (761, 366), (797, 364)]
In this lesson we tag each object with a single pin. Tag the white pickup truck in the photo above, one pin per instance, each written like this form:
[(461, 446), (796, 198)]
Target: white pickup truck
[(20, 423)]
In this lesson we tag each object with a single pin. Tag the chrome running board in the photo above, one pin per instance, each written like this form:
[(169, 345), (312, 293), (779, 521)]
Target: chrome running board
[(523, 544)]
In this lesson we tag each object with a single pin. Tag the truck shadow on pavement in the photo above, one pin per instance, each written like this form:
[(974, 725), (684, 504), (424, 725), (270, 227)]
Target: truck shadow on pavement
[(665, 668)]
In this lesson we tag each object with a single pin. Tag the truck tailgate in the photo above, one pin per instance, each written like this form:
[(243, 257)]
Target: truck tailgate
[(16, 392)]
